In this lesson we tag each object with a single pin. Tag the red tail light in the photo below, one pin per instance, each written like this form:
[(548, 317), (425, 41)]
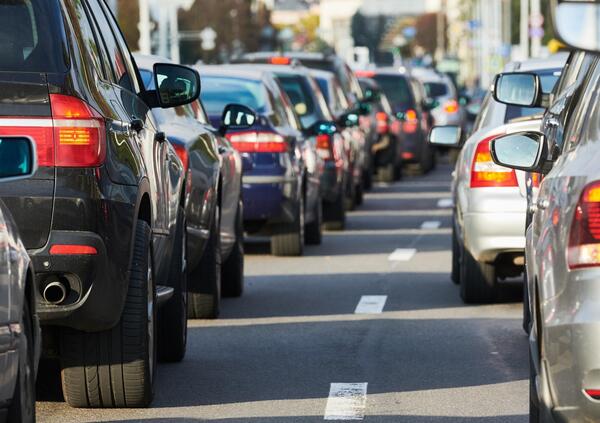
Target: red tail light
[(183, 155), (486, 173), (593, 393), (39, 130), (79, 133), (451, 106), (365, 74), (382, 123), (258, 142), (325, 147), (536, 179), (280, 61), (411, 122), (584, 237), (407, 155)]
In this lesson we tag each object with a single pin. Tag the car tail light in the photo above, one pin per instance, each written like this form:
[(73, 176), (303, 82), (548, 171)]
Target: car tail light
[(280, 60), (486, 173), (258, 142), (365, 74), (70, 250), (40, 130), (451, 106), (593, 393), (183, 155), (382, 122), (325, 147), (584, 237), (411, 122), (407, 155), (79, 133), (536, 179)]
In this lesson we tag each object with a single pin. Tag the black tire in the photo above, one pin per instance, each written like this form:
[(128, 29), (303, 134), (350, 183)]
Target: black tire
[(204, 283), (287, 239), (455, 273), (526, 311), (172, 316), (534, 402), (387, 173), (335, 214), (398, 171), (313, 232), (116, 368), (22, 407), (232, 271), (350, 198), (477, 280), (368, 178)]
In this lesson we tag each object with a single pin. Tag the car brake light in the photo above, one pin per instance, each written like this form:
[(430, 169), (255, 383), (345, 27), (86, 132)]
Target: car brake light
[(183, 155), (407, 155), (411, 122), (451, 106), (79, 132), (584, 236), (258, 142), (280, 61), (593, 393), (536, 179), (486, 173), (382, 122), (325, 147), (38, 129), (70, 250), (365, 74)]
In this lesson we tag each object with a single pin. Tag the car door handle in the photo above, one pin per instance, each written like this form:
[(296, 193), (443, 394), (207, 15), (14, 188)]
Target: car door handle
[(552, 123), (543, 204), (160, 137)]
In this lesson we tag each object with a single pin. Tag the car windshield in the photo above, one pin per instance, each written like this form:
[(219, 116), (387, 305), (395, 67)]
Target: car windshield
[(219, 91), (397, 91), (548, 78), (31, 37)]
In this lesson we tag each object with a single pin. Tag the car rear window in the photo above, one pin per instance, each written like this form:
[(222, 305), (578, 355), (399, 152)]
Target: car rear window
[(397, 91), (298, 90), (218, 92), (436, 89), (31, 37), (548, 80)]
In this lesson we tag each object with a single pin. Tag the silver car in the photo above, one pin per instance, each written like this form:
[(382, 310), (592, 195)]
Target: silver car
[(490, 200), (19, 326), (441, 89)]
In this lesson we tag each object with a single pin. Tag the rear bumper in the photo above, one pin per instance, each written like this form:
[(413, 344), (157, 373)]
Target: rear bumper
[(489, 234), (412, 147), (332, 182), (270, 198)]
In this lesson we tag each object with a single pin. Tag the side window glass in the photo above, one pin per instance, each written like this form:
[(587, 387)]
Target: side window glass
[(482, 113), (89, 43), (587, 106), (278, 110), (116, 58), (122, 44)]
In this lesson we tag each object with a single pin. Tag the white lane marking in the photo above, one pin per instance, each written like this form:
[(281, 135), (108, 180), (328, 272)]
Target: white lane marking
[(402, 254), (371, 304), (444, 203), (431, 224), (347, 401)]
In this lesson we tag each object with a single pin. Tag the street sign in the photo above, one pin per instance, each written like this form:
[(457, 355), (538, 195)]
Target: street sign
[(208, 37)]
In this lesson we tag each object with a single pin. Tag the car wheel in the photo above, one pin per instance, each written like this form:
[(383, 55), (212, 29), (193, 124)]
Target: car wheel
[(455, 274), (526, 311), (359, 195), (232, 271), (477, 279), (335, 214), (313, 234), (386, 173), (398, 171), (350, 199), (22, 407), (172, 316), (534, 401), (368, 178), (204, 283), (116, 368), (288, 238)]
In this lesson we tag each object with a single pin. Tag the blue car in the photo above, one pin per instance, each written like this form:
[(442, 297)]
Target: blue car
[(275, 177)]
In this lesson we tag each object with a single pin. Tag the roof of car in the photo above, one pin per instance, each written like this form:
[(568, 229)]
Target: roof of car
[(321, 74), (279, 69), (233, 71), (298, 55), (553, 62)]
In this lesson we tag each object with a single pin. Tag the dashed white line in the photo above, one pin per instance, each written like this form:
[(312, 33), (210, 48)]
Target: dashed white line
[(371, 304), (444, 203), (347, 401), (402, 254), (431, 224)]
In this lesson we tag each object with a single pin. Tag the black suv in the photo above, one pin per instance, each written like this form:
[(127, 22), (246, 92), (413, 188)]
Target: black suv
[(102, 218)]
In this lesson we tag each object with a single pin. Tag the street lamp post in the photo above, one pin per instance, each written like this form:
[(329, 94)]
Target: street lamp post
[(144, 27)]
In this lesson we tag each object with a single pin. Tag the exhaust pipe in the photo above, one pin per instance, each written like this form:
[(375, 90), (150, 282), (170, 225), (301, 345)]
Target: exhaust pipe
[(55, 293)]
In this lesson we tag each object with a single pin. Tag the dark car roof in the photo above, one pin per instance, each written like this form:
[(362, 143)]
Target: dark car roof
[(296, 55), (234, 71)]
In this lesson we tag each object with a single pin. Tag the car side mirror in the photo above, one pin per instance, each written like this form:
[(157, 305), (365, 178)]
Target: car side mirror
[(364, 109), (446, 136), (236, 117), (576, 23), (371, 96), (518, 89), (322, 127), (18, 159), (176, 85), (522, 151)]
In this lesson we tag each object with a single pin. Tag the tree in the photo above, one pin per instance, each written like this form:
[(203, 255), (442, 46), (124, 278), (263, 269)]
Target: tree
[(128, 15)]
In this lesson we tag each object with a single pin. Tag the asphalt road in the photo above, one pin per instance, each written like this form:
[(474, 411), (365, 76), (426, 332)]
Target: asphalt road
[(277, 354)]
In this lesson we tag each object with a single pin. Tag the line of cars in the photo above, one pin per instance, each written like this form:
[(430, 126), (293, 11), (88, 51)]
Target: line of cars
[(140, 187), (544, 213)]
